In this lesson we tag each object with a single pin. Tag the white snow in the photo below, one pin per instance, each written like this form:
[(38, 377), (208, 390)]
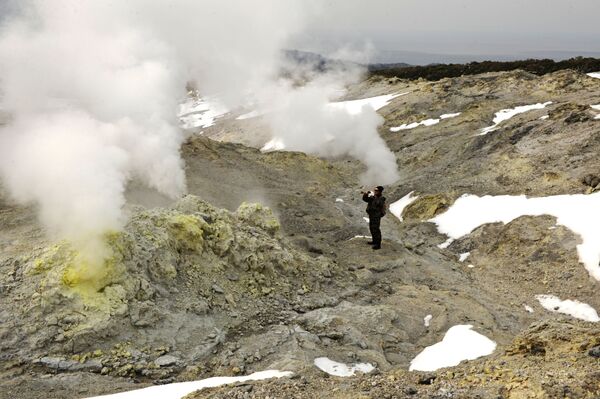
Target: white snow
[(572, 308), (427, 320), (448, 116), (506, 114), (471, 266), (200, 112), (248, 115), (528, 308), (446, 243), (180, 389), (397, 207), (578, 212), (544, 117), (366, 219), (339, 200), (340, 369), (355, 107), (463, 256), (426, 122), (275, 144), (460, 343), (355, 237), (594, 75), (596, 107)]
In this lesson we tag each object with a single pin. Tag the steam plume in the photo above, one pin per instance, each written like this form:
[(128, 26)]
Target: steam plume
[(93, 88), (305, 120), (91, 102)]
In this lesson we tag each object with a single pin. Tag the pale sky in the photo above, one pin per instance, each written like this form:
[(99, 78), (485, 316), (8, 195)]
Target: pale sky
[(501, 27), (399, 16), (398, 29)]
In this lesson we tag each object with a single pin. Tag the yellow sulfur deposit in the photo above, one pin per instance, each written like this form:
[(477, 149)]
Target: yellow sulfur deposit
[(188, 231), (221, 236), (258, 215), (55, 255), (85, 273)]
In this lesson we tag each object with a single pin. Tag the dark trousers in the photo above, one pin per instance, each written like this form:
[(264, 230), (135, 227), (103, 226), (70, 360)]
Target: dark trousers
[(374, 222)]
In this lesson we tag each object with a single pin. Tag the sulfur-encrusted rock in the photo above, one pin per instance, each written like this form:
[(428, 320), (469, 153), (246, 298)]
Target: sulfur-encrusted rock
[(170, 271), (258, 215), (426, 207)]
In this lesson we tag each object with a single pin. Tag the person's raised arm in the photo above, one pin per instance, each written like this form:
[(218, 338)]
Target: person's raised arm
[(366, 197)]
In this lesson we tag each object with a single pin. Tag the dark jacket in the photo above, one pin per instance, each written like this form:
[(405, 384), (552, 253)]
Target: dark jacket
[(376, 205)]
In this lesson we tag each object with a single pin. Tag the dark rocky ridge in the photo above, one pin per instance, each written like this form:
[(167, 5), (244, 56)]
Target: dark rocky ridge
[(439, 71)]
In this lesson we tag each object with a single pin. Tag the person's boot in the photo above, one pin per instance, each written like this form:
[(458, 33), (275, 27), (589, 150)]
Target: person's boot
[(377, 246), (370, 242)]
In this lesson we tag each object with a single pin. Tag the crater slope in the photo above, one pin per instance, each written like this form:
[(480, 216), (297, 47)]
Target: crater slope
[(214, 285)]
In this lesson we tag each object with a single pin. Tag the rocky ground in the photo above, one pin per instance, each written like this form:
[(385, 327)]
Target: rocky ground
[(547, 360), (214, 285)]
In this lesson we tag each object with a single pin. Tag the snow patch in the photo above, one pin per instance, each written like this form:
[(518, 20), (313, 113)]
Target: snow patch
[(594, 75), (366, 219), (427, 320), (251, 114), (528, 308), (506, 114), (576, 309), (426, 122), (446, 243), (397, 207), (200, 112), (448, 116), (354, 107), (339, 200), (355, 237), (544, 117), (340, 369), (181, 389), (460, 343), (470, 266), (275, 144), (463, 256), (577, 212), (597, 108)]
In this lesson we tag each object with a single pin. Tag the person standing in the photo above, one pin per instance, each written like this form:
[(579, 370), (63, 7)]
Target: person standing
[(376, 210)]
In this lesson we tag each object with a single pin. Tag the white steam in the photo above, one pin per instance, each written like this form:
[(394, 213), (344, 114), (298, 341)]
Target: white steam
[(92, 105), (93, 87), (304, 120)]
